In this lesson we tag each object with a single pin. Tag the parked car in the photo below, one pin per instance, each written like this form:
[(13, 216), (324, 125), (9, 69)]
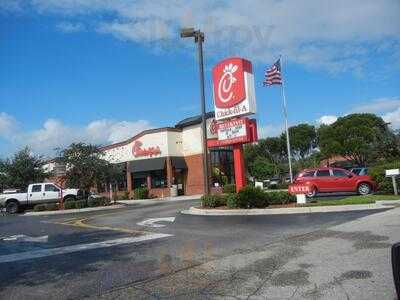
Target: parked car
[(271, 182), (93, 195), (37, 193), (359, 171), (328, 180)]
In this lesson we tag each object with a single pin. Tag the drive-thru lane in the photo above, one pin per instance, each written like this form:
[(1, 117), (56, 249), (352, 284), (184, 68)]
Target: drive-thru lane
[(197, 247)]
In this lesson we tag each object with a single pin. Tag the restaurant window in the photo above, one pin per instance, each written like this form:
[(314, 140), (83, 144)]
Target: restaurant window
[(139, 181), (222, 166), (158, 179)]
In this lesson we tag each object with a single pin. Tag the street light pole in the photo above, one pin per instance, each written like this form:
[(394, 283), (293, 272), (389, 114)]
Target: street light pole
[(199, 39)]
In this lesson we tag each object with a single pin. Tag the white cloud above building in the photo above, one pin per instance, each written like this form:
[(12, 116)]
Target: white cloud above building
[(54, 134), (334, 35)]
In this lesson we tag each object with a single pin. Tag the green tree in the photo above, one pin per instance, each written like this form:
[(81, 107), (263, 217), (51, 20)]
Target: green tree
[(86, 166), (271, 148), (274, 149), (21, 170), (360, 138), (261, 168), (303, 140)]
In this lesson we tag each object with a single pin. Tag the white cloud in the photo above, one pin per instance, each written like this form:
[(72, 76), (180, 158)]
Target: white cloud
[(378, 105), (8, 125), (55, 134), (387, 107), (393, 118), (111, 131), (141, 31), (269, 130), (69, 27), (327, 120), (335, 35)]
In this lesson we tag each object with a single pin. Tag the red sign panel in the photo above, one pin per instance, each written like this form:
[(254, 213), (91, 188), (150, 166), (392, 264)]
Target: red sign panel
[(233, 86), (295, 189), (236, 131), (138, 151), (233, 131), (229, 84)]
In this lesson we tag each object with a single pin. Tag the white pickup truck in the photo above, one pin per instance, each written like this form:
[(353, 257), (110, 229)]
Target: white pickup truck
[(38, 193)]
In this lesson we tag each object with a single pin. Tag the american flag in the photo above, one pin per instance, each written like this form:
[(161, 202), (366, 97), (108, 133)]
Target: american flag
[(273, 74)]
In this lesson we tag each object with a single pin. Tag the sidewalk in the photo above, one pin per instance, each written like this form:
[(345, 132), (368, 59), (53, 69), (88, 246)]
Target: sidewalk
[(120, 204), (292, 210), (160, 200)]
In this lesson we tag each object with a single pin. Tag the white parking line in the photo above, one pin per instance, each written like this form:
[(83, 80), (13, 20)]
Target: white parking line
[(79, 247)]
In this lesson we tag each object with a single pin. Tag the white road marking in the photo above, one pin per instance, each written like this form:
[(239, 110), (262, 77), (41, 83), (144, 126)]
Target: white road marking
[(80, 247), (153, 222), (26, 238)]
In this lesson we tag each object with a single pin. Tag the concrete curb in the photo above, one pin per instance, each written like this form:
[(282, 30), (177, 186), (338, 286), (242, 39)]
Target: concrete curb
[(294, 210), (160, 200), (71, 211)]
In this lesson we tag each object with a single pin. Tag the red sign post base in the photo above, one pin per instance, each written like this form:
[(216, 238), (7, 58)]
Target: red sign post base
[(238, 161)]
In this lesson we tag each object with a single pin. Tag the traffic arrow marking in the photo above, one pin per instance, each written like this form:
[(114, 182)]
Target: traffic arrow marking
[(153, 222)]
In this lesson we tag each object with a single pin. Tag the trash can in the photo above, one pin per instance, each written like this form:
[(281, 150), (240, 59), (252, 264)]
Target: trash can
[(174, 190)]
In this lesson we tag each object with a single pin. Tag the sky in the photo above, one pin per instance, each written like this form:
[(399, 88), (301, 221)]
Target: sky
[(102, 71)]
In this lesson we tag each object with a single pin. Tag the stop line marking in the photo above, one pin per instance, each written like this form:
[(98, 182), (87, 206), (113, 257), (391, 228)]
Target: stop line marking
[(79, 247)]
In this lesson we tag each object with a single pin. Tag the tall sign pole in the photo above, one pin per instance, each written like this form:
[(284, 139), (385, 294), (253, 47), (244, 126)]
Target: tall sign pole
[(286, 124), (199, 38)]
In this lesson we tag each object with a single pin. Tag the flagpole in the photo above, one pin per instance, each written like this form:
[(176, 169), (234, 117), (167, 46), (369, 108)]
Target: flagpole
[(286, 123)]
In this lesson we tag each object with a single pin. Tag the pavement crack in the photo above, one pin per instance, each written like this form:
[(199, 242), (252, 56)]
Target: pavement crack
[(339, 283)]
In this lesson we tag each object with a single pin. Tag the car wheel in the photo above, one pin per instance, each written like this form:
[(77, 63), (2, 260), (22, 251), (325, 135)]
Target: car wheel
[(364, 189), (312, 193), (12, 207)]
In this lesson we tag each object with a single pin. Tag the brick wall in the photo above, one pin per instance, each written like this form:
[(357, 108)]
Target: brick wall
[(194, 183), (159, 192)]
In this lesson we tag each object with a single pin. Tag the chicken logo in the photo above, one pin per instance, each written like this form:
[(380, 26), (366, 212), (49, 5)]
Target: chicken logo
[(226, 82)]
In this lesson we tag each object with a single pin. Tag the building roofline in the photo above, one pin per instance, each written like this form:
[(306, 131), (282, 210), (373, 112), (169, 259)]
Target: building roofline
[(193, 120), (139, 135)]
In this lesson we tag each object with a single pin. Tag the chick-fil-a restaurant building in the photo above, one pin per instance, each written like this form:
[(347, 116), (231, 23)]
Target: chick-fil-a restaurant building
[(169, 160)]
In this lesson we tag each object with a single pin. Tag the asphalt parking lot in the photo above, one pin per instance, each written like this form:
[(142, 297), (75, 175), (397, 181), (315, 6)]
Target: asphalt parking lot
[(154, 252)]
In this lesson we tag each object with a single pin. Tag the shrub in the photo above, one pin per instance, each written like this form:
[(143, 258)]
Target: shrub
[(232, 200), (282, 186), (377, 172), (213, 201), (125, 195), (51, 206), (252, 197), (280, 198), (39, 207), (141, 193), (104, 201), (229, 188), (94, 202), (81, 204), (70, 204)]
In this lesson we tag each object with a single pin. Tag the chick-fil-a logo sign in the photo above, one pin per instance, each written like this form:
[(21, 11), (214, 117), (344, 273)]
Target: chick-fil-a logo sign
[(226, 82), (233, 86), (138, 151), (229, 82)]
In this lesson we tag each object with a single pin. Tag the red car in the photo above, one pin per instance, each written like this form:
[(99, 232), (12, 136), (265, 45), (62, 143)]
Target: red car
[(329, 180)]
